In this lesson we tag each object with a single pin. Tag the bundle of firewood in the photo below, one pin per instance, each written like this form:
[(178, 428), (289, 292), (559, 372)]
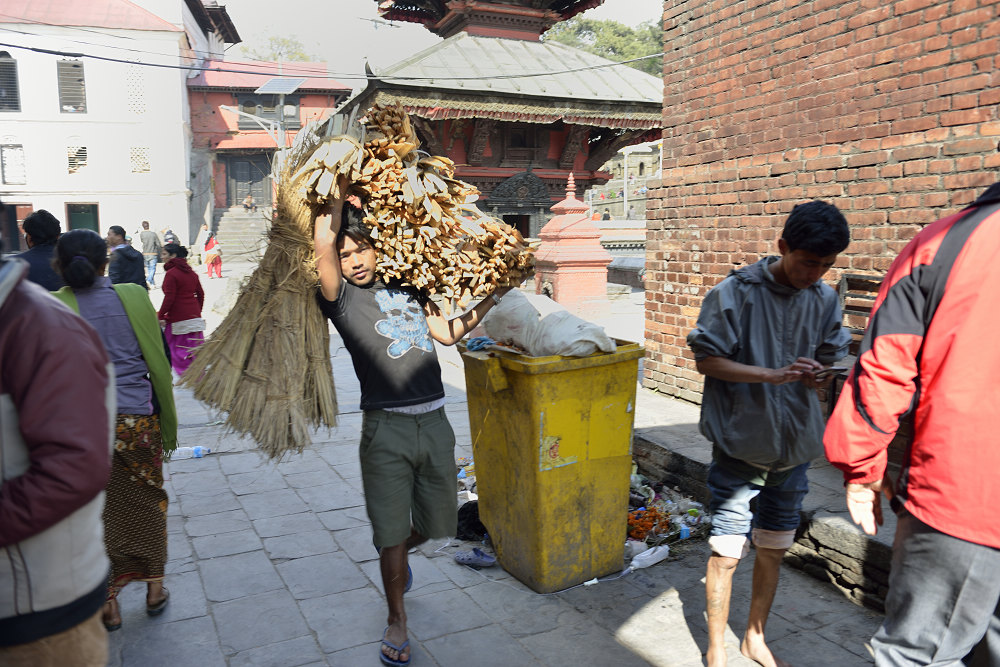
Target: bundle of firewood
[(267, 366), (425, 225)]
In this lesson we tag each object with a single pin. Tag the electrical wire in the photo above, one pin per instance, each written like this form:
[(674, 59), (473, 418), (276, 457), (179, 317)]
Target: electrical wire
[(293, 68), (283, 74)]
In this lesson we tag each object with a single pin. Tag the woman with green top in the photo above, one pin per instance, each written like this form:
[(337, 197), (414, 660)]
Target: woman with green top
[(135, 511)]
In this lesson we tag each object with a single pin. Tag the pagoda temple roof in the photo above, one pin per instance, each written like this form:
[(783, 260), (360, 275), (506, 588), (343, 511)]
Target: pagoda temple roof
[(445, 17), (470, 76)]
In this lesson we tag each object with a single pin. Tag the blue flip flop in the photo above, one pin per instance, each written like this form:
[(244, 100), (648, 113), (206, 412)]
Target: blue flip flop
[(476, 558), (409, 573), (386, 660)]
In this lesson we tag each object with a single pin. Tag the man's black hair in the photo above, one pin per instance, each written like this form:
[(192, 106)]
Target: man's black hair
[(117, 229), (352, 227), (42, 227), (816, 227)]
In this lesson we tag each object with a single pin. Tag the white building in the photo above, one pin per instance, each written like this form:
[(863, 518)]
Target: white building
[(94, 114)]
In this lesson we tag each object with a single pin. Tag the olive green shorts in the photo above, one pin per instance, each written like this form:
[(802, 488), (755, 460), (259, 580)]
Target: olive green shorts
[(409, 475)]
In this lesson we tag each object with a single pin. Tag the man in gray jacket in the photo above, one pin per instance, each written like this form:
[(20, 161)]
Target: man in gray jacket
[(761, 336), (57, 408)]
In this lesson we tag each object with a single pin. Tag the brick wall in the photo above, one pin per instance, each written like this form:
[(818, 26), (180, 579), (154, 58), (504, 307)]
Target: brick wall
[(887, 109)]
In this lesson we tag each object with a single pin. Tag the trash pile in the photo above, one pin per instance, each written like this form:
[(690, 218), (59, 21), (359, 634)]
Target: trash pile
[(466, 479), (660, 515)]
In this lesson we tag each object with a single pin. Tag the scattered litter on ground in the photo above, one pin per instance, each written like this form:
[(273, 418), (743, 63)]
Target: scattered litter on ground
[(659, 515)]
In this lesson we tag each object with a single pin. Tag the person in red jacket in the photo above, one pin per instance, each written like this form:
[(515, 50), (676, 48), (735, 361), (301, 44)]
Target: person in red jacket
[(927, 354), (180, 312), (212, 256)]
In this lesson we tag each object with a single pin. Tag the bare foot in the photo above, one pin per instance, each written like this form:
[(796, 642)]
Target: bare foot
[(716, 656), (395, 634), (757, 650)]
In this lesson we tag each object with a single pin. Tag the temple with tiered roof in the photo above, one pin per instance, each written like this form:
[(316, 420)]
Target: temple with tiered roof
[(517, 114)]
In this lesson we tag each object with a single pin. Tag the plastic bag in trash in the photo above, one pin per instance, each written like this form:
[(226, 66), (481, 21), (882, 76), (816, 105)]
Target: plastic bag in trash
[(543, 327)]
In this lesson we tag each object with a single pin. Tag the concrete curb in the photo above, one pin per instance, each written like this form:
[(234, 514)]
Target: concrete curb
[(828, 546)]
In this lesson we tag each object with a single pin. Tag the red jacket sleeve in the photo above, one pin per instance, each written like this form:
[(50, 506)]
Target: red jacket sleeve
[(169, 288), (883, 383), (59, 386), (199, 293)]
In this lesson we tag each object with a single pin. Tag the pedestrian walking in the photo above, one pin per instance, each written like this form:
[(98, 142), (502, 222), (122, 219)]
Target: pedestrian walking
[(180, 311), (761, 336), (926, 354), (151, 246), (41, 231), (407, 444), (55, 443), (135, 513), (125, 264), (213, 256)]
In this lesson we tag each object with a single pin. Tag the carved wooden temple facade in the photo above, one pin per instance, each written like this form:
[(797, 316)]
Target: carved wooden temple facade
[(516, 114)]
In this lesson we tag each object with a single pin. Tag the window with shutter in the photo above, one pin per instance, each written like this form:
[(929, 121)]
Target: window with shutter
[(77, 158), (266, 107), (10, 97), (72, 90), (12, 164), (140, 159)]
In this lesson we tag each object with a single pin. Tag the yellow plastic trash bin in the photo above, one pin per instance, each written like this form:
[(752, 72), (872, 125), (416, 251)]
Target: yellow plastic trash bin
[(552, 440)]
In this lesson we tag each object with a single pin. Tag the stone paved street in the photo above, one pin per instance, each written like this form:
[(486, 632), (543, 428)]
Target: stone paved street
[(272, 564)]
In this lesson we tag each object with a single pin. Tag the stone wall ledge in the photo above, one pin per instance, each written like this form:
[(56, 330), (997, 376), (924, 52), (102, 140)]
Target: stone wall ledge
[(828, 546)]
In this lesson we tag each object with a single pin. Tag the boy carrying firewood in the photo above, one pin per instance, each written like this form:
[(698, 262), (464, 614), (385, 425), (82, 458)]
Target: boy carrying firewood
[(407, 445)]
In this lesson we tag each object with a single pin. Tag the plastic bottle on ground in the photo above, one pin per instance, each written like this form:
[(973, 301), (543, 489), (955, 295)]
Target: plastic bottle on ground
[(190, 452), (649, 557)]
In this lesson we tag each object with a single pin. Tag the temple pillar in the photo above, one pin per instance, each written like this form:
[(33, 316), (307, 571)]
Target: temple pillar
[(571, 265)]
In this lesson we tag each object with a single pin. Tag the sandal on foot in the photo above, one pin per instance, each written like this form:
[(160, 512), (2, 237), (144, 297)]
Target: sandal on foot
[(386, 660), (111, 627), (476, 558), (157, 609)]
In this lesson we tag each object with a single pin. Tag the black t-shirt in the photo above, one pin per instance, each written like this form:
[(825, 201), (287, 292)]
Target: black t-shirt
[(385, 330)]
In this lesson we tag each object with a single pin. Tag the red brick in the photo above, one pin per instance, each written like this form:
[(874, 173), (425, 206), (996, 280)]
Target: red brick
[(891, 171), (977, 145), (975, 180)]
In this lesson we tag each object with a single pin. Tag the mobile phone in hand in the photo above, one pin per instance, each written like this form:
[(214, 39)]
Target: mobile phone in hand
[(827, 372)]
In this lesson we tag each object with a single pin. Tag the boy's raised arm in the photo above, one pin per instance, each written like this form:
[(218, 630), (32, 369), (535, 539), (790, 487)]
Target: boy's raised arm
[(325, 249), (449, 332)]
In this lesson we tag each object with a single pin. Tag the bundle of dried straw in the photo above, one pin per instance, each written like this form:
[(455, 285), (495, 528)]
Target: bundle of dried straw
[(268, 364)]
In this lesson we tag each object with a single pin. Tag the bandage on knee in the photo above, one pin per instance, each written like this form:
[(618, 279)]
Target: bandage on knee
[(729, 546), (773, 539)]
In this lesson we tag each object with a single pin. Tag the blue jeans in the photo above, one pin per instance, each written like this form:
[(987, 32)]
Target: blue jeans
[(150, 268), (777, 507), (943, 599)]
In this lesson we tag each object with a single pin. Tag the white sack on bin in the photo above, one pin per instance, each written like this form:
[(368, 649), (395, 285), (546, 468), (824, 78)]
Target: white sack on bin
[(543, 327)]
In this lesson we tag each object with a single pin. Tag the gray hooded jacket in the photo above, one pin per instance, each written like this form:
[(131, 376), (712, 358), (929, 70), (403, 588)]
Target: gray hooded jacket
[(752, 319)]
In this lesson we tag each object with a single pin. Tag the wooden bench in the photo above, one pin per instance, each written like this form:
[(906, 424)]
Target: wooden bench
[(857, 298)]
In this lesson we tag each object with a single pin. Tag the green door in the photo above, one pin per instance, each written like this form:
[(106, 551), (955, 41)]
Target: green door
[(82, 216)]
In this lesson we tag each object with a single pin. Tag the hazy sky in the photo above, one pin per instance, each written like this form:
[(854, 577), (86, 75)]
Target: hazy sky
[(342, 33)]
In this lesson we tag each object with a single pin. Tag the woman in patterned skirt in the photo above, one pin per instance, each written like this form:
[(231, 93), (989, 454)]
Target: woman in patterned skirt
[(135, 510)]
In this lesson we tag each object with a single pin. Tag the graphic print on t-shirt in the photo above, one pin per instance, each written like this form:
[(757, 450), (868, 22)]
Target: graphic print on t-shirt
[(405, 323)]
